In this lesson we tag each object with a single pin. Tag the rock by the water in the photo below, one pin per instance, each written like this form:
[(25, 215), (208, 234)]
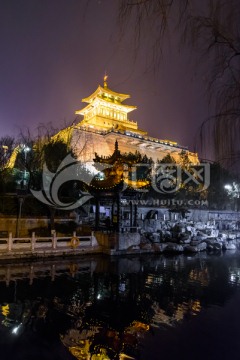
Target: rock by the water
[(159, 247), (229, 246), (173, 247), (186, 239), (214, 246), (191, 237), (146, 246), (196, 248)]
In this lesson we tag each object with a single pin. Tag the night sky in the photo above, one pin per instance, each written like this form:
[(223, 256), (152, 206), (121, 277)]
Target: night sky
[(55, 52)]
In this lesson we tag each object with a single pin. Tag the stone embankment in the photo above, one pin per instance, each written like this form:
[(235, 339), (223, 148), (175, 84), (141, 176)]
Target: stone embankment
[(190, 238), (178, 237)]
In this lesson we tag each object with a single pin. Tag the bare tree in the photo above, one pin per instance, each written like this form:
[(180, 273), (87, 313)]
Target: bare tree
[(29, 157), (212, 28)]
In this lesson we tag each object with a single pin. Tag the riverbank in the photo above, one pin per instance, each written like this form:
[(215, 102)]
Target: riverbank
[(173, 238)]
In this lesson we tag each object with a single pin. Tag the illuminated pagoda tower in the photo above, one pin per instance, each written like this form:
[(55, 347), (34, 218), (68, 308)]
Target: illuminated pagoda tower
[(106, 111), (105, 121)]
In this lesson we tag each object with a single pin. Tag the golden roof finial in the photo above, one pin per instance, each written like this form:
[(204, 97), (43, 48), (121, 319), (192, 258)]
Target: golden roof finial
[(105, 80)]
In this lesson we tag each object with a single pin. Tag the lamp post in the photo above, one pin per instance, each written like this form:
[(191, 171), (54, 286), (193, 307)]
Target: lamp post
[(20, 202), (25, 149), (22, 192)]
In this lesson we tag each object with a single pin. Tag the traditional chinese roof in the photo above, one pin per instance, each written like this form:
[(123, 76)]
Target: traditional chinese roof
[(106, 94), (114, 174), (117, 157), (100, 101)]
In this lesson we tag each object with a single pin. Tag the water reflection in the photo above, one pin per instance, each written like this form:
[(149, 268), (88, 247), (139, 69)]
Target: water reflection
[(102, 308)]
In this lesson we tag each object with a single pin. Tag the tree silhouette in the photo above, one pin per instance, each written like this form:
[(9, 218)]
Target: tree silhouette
[(210, 27)]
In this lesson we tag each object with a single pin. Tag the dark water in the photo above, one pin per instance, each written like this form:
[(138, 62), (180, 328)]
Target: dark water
[(148, 308)]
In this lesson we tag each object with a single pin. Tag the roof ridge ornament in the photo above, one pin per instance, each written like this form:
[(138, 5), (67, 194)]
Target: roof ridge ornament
[(105, 80)]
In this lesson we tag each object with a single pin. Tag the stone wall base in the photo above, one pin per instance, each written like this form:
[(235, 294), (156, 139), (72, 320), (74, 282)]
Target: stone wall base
[(121, 241)]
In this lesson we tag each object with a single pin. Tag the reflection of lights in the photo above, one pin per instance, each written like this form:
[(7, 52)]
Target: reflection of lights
[(99, 296), (162, 317), (124, 356), (5, 310), (201, 276), (195, 307), (122, 287), (149, 279), (16, 329), (140, 325), (153, 279), (234, 277)]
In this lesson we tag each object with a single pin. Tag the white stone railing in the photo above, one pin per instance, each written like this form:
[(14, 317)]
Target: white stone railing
[(54, 242)]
